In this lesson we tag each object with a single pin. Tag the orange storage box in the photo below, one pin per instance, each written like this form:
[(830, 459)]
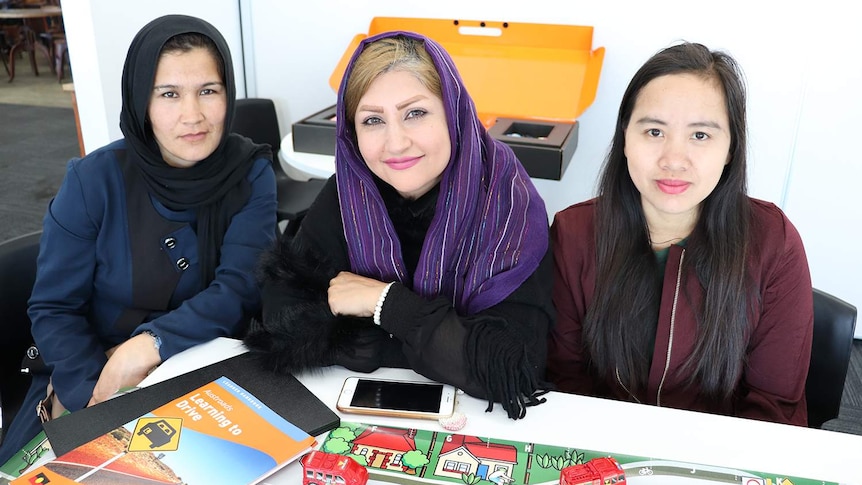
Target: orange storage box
[(530, 82)]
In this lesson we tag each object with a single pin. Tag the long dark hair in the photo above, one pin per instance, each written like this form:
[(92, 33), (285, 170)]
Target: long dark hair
[(617, 326)]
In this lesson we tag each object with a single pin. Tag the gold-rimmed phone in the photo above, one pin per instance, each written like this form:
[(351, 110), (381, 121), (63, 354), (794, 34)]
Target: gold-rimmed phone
[(405, 399)]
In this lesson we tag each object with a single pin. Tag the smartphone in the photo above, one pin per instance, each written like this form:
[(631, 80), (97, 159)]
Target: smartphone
[(406, 399)]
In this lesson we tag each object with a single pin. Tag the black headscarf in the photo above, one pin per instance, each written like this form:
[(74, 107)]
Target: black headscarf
[(217, 186)]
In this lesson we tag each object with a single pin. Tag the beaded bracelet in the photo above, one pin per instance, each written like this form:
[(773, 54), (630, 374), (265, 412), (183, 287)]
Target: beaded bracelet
[(379, 306)]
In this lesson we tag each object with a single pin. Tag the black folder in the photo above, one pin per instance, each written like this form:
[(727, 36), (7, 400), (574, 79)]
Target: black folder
[(283, 393)]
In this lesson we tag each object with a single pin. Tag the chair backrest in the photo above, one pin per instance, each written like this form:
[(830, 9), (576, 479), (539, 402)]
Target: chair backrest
[(834, 326), (17, 274), (256, 118)]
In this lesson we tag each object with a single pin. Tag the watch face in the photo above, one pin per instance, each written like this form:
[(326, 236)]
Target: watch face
[(157, 341)]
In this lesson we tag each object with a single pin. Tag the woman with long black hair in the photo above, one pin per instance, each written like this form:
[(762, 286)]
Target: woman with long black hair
[(673, 287)]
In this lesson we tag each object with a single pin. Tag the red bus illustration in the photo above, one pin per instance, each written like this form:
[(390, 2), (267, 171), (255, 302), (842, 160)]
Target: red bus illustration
[(598, 471), (320, 468)]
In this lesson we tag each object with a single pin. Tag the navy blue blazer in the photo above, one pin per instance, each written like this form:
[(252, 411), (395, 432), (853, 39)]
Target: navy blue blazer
[(84, 279)]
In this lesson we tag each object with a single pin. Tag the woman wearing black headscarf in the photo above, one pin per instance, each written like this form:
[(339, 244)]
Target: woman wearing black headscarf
[(149, 246)]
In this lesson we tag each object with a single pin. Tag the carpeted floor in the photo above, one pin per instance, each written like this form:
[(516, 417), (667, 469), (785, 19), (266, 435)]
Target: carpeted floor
[(850, 415), (35, 144)]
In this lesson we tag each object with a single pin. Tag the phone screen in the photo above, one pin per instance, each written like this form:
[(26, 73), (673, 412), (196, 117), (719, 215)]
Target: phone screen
[(407, 396)]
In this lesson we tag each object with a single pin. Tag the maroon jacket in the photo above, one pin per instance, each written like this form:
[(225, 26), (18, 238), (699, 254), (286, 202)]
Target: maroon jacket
[(772, 385)]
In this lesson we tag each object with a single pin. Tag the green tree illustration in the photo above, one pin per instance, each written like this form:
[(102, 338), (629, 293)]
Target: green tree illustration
[(414, 459), (343, 432), (336, 445)]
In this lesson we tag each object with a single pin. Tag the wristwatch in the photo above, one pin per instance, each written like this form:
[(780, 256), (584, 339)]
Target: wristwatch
[(157, 341)]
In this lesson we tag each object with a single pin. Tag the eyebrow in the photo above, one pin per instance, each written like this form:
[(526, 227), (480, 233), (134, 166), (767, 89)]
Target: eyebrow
[(409, 101), (696, 124), (399, 106), (175, 86), (373, 109)]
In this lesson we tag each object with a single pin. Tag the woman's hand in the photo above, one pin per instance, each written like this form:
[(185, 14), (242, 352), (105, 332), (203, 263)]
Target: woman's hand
[(128, 364), (351, 294)]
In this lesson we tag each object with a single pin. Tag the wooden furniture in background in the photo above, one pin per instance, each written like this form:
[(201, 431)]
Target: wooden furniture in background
[(70, 87), (23, 37)]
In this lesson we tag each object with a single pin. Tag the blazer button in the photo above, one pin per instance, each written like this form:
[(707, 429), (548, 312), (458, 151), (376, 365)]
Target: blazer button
[(33, 352), (183, 263), (170, 242)]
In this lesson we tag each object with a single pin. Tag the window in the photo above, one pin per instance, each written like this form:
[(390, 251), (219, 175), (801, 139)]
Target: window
[(397, 459), (455, 466)]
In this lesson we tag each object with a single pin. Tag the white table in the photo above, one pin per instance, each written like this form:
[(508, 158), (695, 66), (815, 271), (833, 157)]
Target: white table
[(311, 164), (601, 425)]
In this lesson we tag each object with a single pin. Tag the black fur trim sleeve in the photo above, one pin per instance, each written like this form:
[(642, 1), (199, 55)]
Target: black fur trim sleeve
[(297, 330)]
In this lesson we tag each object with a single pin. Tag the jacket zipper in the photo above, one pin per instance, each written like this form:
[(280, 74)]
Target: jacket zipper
[(672, 324)]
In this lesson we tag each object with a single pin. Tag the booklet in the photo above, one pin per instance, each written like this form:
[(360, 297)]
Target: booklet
[(283, 393), (217, 433)]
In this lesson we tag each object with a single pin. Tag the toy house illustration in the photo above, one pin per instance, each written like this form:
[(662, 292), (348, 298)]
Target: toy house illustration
[(469, 454), (384, 447)]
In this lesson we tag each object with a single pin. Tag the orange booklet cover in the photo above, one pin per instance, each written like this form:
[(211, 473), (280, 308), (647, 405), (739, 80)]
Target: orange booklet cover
[(218, 433)]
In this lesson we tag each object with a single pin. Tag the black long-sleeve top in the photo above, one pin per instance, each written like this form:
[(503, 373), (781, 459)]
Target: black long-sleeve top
[(497, 354)]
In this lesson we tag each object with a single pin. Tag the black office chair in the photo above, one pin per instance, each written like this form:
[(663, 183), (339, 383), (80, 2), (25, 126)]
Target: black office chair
[(256, 119), (17, 274), (834, 326)]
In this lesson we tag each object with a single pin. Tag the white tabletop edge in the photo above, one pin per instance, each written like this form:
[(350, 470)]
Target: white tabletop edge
[(598, 425), (313, 164)]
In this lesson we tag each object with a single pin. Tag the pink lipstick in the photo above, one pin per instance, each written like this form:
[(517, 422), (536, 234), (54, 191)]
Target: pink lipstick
[(402, 163), (673, 187)]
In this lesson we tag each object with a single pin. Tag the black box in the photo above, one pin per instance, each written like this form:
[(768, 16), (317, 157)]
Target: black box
[(316, 133), (544, 148)]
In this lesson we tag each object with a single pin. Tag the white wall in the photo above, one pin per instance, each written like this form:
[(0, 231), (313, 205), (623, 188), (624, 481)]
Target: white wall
[(800, 62), (99, 32), (296, 53), (823, 195)]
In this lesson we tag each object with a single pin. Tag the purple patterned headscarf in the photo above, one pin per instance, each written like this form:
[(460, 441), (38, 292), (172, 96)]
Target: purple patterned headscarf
[(490, 228)]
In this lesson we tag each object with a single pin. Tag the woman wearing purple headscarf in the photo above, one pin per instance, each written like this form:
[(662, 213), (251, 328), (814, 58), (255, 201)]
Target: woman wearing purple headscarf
[(427, 250)]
